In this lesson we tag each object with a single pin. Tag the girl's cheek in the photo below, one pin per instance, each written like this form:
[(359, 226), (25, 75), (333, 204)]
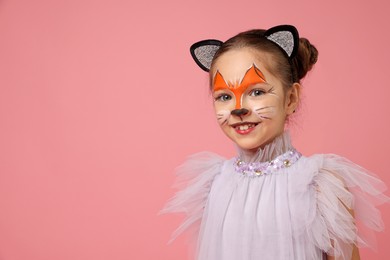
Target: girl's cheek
[(254, 103), (265, 107)]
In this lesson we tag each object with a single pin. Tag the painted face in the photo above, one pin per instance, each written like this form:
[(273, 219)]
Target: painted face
[(249, 102), (251, 77)]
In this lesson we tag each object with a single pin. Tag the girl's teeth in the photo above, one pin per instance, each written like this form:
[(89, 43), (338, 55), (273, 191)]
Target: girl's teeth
[(245, 127)]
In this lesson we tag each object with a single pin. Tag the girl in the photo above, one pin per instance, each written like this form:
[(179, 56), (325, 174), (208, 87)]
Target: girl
[(270, 202)]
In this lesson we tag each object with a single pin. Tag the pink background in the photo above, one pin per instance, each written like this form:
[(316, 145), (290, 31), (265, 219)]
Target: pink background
[(100, 101)]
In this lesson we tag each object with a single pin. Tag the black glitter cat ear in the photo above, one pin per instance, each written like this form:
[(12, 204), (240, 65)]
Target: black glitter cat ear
[(203, 52), (286, 37)]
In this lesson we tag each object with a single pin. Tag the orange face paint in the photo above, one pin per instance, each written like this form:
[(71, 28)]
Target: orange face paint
[(252, 76)]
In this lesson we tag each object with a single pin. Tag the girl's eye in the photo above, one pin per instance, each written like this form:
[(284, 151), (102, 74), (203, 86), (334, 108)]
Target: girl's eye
[(223, 97), (256, 92)]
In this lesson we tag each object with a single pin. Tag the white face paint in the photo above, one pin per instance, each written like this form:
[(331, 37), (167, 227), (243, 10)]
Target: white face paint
[(265, 112), (223, 116), (264, 100)]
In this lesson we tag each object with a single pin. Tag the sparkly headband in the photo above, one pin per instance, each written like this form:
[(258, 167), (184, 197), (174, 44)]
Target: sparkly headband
[(286, 37)]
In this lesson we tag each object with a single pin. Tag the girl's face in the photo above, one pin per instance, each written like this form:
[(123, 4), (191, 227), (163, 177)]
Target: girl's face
[(250, 103)]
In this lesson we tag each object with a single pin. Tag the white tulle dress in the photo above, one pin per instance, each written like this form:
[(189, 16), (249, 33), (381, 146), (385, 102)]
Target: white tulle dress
[(279, 206)]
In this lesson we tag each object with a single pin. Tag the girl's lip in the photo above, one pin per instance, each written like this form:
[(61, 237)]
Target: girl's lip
[(244, 128)]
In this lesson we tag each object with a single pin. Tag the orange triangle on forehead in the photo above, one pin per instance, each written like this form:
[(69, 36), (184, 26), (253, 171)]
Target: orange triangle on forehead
[(252, 76), (219, 82)]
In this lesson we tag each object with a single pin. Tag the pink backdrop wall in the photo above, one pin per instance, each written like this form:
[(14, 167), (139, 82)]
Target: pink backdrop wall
[(100, 101)]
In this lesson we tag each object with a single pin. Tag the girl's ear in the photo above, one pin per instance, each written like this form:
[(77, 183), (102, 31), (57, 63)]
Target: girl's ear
[(292, 98), (203, 52), (286, 37)]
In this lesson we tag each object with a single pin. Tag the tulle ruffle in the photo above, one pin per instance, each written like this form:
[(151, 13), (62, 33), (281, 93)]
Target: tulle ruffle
[(194, 179), (341, 187)]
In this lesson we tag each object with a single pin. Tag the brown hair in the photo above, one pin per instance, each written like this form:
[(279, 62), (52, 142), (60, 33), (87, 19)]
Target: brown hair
[(288, 71)]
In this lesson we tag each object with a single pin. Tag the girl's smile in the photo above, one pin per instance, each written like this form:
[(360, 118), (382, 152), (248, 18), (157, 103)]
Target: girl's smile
[(244, 127)]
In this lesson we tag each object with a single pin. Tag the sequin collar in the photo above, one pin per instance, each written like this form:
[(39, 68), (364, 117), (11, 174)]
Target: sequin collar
[(255, 169)]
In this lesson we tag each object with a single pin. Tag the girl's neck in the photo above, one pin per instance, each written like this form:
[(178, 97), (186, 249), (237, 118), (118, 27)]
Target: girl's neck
[(276, 147)]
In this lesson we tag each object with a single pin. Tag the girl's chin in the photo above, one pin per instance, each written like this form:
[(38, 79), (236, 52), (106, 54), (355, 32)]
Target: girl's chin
[(248, 147)]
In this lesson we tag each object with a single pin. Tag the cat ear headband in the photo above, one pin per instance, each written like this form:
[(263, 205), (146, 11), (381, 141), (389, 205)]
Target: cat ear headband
[(286, 37)]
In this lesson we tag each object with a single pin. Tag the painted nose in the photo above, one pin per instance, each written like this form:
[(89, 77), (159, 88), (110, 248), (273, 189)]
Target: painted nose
[(239, 112)]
